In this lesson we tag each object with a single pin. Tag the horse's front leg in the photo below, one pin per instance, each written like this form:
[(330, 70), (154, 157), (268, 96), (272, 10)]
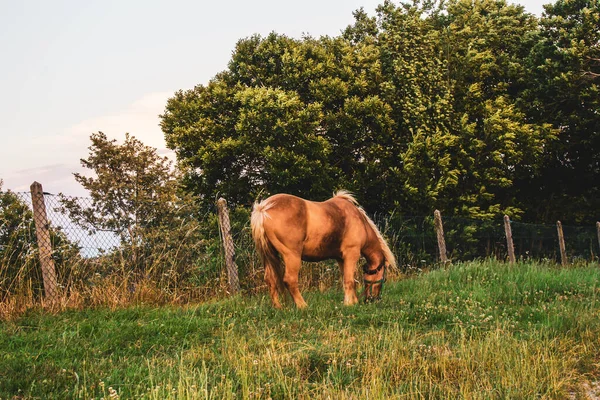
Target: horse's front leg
[(348, 269)]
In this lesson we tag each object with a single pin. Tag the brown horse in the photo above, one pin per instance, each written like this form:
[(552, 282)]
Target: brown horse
[(295, 229)]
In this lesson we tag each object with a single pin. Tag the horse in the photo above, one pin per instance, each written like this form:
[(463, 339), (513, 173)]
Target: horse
[(291, 229)]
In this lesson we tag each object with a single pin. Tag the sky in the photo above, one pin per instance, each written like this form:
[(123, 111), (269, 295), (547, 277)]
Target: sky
[(71, 68)]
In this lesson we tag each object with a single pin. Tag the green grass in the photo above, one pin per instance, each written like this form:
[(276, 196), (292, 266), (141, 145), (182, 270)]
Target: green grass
[(476, 330)]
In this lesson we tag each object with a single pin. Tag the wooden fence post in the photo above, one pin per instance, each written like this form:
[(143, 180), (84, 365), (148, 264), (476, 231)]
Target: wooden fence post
[(439, 230), (561, 244), (509, 240), (598, 232), (232, 270), (43, 241)]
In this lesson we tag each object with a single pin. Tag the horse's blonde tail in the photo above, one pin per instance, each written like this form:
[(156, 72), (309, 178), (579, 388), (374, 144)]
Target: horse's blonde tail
[(257, 222), (268, 254)]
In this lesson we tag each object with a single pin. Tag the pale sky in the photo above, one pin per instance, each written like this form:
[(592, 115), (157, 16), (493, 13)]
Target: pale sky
[(69, 68)]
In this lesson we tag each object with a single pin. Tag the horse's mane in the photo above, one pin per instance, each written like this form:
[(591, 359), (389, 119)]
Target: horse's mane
[(344, 194), (387, 253)]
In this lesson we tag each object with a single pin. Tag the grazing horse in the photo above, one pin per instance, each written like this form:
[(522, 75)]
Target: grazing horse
[(288, 228)]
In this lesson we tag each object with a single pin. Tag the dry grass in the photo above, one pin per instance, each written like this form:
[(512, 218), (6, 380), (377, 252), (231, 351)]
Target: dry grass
[(120, 289), (113, 292)]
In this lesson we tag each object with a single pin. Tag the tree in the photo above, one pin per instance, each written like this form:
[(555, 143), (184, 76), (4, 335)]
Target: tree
[(309, 116), (17, 235), (251, 129), (563, 89), (485, 44), (132, 188), (417, 90), (416, 108), (134, 193)]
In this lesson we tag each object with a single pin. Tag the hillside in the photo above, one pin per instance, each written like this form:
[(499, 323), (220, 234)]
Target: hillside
[(476, 330)]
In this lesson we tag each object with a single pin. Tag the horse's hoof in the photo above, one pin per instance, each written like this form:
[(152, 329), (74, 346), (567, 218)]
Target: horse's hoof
[(351, 302)]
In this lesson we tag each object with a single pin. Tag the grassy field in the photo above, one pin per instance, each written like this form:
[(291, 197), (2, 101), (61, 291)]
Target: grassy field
[(477, 331)]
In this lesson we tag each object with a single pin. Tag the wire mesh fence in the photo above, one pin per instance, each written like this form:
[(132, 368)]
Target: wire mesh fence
[(183, 258), (180, 258)]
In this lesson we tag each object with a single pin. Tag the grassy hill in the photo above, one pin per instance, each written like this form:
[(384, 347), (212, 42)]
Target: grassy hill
[(476, 330)]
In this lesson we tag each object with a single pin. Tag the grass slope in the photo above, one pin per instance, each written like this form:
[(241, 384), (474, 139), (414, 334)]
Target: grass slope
[(476, 330)]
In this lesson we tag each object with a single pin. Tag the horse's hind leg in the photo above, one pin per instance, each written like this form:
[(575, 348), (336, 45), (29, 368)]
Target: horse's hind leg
[(273, 280), (290, 278)]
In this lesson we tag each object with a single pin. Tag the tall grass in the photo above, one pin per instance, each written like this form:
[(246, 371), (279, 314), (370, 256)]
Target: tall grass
[(477, 330)]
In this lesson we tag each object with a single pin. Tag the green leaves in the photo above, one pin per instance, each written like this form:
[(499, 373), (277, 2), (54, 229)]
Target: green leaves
[(20, 269), (135, 194), (425, 105), (131, 187), (563, 90)]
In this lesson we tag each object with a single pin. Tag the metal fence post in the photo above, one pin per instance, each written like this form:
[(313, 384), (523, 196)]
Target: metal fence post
[(43, 241), (509, 240), (439, 230), (232, 270)]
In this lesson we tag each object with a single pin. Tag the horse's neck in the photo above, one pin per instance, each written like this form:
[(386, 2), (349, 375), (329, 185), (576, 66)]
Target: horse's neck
[(374, 254)]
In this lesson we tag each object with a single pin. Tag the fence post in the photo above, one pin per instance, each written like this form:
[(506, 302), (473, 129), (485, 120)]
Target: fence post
[(598, 232), (232, 270), (509, 240), (43, 240), (439, 230), (561, 244)]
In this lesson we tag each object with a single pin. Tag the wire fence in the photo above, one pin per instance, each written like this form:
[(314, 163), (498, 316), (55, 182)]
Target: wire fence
[(184, 259)]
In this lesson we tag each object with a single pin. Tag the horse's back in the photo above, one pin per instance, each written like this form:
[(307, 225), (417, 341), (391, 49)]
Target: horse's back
[(316, 230)]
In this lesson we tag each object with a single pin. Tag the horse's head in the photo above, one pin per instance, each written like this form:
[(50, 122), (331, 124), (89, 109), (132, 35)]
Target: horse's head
[(374, 280)]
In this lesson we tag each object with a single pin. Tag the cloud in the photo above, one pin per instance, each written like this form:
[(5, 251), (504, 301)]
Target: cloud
[(52, 159), (54, 178), (139, 119)]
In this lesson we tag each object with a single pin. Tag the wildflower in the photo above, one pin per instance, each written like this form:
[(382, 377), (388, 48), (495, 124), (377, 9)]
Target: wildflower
[(112, 393)]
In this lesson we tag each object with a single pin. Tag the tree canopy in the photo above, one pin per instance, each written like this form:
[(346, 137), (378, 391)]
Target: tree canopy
[(131, 188), (135, 194), (476, 108)]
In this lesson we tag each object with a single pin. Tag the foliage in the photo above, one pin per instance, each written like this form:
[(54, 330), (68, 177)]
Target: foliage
[(16, 228), (476, 330), (308, 116), (563, 89), (19, 257), (425, 105), (485, 44), (131, 189), (135, 194)]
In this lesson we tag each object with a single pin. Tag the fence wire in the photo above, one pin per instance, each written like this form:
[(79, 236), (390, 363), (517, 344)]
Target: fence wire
[(183, 255), (178, 257)]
